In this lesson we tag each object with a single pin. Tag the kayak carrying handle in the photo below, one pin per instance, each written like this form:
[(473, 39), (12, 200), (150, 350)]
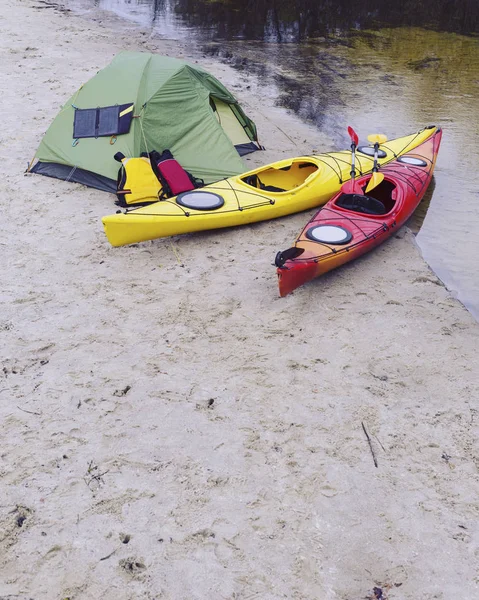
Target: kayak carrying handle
[(289, 254)]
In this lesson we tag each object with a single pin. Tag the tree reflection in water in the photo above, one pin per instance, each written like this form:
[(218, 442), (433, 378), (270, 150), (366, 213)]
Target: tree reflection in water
[(301, 20), (287, 21)]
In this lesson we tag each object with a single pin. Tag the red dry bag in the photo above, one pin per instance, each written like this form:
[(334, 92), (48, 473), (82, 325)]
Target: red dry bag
[(171, 174)]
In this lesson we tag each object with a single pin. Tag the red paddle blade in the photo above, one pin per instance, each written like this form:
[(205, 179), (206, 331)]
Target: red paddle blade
[(352, 187), (353, 135)]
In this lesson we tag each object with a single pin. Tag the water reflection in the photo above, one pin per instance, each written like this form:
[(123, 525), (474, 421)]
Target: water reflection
[(301, 20), (286, 21)]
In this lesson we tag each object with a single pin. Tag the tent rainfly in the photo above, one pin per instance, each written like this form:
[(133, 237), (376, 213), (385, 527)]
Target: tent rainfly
[(142, 102)]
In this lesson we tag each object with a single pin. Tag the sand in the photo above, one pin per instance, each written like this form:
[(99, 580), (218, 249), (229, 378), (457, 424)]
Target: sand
[(172, 429)]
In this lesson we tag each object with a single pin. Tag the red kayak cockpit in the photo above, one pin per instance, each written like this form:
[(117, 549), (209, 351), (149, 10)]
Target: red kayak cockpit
[(377, 202), (361, 204)]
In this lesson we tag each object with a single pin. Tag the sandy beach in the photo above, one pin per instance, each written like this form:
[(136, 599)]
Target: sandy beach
[(173, 429)]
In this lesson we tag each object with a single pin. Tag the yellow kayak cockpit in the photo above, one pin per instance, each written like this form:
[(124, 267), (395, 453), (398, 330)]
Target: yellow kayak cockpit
[(279, 178)]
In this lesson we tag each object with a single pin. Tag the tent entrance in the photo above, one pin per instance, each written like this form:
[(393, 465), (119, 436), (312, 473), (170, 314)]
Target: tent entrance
[(232, 127)]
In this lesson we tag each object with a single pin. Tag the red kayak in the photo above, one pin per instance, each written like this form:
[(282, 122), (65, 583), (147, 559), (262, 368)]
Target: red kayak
[(354, 222)]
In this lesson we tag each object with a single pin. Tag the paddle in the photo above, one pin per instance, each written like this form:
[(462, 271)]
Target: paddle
[(351, 187), (376, 178)]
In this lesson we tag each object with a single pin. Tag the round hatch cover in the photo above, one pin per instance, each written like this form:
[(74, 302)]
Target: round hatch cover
[(412, 160), (200, 200), (329, 234), (369, 150)]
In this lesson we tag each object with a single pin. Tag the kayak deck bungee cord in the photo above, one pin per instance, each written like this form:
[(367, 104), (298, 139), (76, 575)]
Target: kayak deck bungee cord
[(359, 217), (281, 188)]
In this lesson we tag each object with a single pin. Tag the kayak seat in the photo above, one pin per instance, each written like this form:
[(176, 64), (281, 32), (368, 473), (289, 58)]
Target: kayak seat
[(361, 204), (272, 188), (256, 182)]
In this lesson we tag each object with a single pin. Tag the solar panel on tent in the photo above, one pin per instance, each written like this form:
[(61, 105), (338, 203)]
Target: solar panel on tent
[(102, 121)]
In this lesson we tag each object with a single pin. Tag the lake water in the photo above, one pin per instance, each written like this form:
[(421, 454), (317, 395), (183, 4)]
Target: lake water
[(370, 66)]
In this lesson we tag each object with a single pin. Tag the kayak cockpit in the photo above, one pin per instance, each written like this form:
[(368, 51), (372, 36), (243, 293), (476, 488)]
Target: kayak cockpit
[(281, 177), (378, 201)]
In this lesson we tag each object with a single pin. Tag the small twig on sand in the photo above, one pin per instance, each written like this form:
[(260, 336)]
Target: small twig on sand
[(98, 477), (370, 445), (30, 412), (109, 555), (379, 442)]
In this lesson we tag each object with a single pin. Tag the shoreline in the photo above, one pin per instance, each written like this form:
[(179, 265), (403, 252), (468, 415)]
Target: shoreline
[(172, 428)]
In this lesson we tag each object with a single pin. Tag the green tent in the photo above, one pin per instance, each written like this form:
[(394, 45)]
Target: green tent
[(143, 102)]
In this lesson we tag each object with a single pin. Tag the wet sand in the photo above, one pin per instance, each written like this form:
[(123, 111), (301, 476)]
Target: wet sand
[(172, 429)]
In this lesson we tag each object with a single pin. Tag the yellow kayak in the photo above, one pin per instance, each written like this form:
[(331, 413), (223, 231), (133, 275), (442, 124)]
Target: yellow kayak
[(275, 190)]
